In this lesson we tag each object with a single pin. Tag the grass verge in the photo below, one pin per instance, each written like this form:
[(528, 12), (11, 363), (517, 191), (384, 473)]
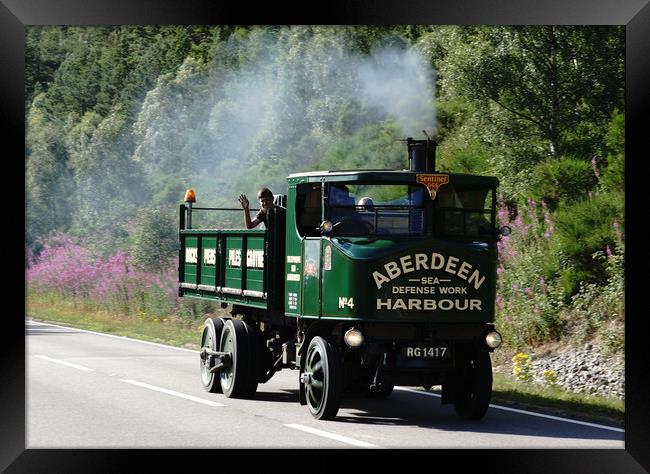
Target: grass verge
[(179, 332), (172, 331), (557, 402)]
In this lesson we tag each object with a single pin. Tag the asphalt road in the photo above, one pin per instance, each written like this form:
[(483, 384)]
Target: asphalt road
[(88, 390)]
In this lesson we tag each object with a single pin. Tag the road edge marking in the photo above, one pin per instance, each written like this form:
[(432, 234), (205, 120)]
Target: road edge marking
[(62, 362), (327, 434), (123, 338), (516, 410), (172, 392)]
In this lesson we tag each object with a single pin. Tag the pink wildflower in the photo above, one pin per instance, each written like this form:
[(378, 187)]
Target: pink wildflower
[(503, 215), (499, 302), (595, 167), (519, 221)]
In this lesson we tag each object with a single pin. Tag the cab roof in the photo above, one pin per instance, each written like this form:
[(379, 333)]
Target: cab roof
[(384, 176)]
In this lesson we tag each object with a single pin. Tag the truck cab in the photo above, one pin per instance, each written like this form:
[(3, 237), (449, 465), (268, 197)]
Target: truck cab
[(410, 256)]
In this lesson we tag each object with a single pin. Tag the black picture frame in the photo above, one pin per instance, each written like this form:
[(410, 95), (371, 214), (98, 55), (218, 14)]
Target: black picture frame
[(16, 14)]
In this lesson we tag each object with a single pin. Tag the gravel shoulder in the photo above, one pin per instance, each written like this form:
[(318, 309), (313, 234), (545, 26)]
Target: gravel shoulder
[(581, 370)]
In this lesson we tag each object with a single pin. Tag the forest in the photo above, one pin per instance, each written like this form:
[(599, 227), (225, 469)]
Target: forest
[(121, 120)]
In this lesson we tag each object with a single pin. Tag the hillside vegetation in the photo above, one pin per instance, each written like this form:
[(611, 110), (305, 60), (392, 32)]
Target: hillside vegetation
[(121, 120)]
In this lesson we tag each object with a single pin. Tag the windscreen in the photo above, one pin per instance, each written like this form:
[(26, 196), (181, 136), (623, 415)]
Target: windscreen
[(383, 209)]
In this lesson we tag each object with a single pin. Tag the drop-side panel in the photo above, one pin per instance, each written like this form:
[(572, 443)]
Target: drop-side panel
[(224, 265)]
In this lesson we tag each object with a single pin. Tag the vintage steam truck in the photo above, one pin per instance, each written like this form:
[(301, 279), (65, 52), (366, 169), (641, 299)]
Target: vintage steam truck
[(361, 281)]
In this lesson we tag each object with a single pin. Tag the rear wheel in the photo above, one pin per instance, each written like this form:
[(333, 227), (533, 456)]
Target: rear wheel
[(472, 386), (322, 379), (240, 378), (210, 340)]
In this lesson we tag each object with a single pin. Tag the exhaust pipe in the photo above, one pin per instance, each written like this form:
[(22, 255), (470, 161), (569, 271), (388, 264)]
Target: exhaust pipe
[(422, 155)]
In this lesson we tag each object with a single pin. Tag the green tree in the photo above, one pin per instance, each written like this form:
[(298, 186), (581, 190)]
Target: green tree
[(48, 180), (555, 79), (613, 177), (110, 186), (155, 240)]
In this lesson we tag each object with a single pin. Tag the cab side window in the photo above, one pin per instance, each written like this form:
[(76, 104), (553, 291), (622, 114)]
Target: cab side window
[(464, 211), (308, 209)]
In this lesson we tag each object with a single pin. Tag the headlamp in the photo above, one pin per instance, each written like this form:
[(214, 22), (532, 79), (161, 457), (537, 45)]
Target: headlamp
[(353, 338)]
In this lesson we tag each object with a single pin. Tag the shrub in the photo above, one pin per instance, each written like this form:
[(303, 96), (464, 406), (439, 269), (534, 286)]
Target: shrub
[(588, 226), (564, 179), (598, 310)]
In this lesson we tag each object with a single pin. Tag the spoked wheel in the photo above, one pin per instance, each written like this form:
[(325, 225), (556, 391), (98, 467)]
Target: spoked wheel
[(473, 386), (239, 379), (322, 379), (210, 340)]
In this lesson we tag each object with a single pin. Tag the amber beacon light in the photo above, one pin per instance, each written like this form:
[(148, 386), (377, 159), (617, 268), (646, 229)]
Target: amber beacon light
[(190, 196)]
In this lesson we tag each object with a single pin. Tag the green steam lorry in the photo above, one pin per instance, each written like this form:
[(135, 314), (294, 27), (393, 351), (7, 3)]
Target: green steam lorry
[(361, 281)]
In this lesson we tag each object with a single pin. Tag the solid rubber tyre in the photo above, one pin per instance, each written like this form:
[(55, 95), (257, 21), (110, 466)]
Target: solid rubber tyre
[(323, 391), (473, 386), (239, 380), (210, 338)]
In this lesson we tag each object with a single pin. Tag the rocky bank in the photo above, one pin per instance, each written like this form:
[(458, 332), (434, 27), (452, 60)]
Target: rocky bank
[(584, 370)]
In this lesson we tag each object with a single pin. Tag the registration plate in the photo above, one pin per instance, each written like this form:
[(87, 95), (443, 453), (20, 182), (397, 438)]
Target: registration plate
[(426, 352)]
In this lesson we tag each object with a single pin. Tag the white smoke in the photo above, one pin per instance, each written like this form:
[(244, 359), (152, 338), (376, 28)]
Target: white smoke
[(401, 84), (291, 91)]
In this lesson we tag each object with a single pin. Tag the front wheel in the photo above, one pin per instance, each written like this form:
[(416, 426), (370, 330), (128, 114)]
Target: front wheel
[(322, 379), (473, 386)]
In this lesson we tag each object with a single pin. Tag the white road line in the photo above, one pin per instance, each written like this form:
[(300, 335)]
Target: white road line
[(69, 364), (171, 392), (396, 388), (325, 434), (123, 338), (498, 407)]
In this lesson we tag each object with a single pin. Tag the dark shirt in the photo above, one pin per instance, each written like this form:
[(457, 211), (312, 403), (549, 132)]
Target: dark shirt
[(262, 215)]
